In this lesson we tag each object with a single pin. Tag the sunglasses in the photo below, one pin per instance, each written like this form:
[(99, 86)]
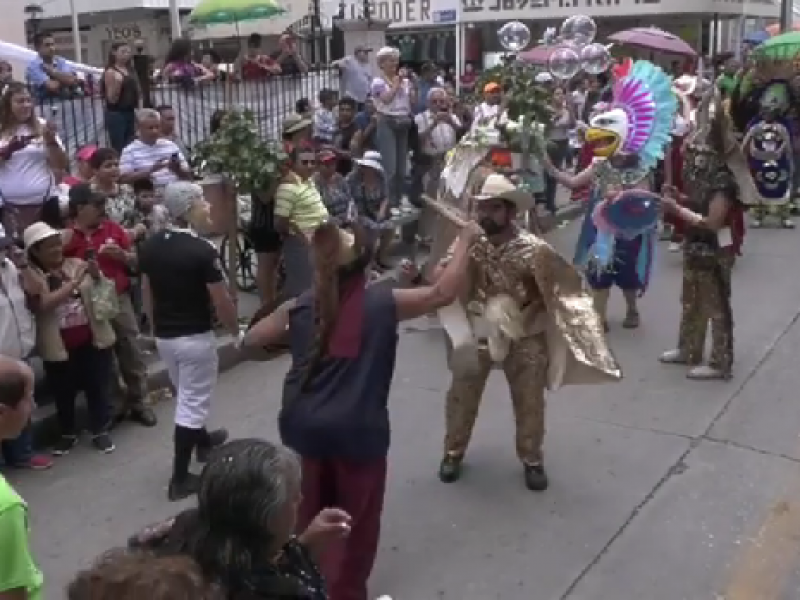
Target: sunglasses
[(309, 162)]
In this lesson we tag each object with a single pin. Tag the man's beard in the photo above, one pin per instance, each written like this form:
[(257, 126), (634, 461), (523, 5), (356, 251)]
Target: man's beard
[(491, 227)]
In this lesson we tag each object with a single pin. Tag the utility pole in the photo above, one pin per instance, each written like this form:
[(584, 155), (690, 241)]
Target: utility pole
[(76, 31), (787, 15), (174, 19)]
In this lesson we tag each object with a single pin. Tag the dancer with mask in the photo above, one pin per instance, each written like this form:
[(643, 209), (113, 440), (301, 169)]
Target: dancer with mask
[(715, 173), (628, 140), (525, 310), (183, 289)]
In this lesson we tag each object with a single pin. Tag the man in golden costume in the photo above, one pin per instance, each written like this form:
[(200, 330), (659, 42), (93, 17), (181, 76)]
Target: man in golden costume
[(715, 175), (525, 310)]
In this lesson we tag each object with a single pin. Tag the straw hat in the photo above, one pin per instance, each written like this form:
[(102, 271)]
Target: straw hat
[(498, 186), (295, 123), (372, 160)]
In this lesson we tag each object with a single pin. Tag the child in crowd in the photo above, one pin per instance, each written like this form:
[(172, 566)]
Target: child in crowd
[(84, 171), (147, 211)]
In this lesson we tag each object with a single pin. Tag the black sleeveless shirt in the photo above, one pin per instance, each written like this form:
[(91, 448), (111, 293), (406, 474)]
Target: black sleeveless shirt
[(128, 100)]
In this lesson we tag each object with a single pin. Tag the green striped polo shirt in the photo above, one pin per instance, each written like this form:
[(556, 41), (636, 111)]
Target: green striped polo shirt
[(301, 203)]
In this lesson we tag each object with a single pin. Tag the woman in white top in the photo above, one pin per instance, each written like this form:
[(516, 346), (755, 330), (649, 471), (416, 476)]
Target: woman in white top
[(30, 151), (394, 96)]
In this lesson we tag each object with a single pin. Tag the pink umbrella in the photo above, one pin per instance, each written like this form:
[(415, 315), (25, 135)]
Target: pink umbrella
[(653, 38), (538, 55)]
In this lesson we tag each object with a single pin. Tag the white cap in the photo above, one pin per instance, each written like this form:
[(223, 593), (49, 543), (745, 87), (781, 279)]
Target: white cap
[(543, 77)]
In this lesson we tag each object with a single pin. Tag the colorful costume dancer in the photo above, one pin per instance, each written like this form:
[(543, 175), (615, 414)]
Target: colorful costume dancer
[(526, 311), (629, 138), (764, 108), (714, 172)]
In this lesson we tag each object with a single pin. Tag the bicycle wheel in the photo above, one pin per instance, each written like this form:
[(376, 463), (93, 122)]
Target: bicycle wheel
[(248, 262)]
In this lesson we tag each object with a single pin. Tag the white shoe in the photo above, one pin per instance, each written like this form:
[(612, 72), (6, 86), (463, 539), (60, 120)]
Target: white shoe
[(674, 247), (704, 372), (673, 357)]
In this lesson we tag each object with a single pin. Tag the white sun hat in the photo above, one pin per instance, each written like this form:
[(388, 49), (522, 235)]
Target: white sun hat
[(372, 160), (37, 232), (499, 186)]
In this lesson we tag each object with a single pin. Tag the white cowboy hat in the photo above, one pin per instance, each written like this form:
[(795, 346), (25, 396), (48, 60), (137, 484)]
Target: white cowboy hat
[(372, 160), (498, 186), (37, 232)]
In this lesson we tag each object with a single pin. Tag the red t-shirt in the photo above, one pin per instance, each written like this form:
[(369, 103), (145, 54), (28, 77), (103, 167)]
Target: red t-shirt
[(106, 233), (256, 68)]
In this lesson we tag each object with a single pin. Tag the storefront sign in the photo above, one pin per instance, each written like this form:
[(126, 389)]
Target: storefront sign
[(401, 13), (123, 33), (493, 10)]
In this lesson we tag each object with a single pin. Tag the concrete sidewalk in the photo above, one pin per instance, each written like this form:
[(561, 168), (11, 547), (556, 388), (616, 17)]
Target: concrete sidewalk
[(43, 420)]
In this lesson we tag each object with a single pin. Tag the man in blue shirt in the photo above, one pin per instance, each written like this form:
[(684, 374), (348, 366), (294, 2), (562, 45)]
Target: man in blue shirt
[(47, 74), (425, 83)]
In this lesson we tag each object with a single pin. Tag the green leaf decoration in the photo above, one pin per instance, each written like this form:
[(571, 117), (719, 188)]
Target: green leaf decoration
[(238, 152), (524, 97)]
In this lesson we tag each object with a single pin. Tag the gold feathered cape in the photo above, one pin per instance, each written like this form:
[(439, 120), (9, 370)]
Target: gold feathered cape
[(577, 348)]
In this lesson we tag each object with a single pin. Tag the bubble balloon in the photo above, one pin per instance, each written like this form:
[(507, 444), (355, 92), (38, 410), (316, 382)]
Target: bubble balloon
[(579, 30), (564, 63), (595, 59), (514, 36)]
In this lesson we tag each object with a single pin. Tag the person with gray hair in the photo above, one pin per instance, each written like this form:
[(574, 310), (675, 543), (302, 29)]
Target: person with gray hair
[(246, 516), (152, 156), (183, 289), (394, 96)]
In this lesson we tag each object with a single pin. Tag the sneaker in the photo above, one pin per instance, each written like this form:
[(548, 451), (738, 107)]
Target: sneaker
[(673, 357), (37, 462), (217, 438), (63, 446), (705, 373), (103, 443), (180, 490), (450, 469), (536, 478)]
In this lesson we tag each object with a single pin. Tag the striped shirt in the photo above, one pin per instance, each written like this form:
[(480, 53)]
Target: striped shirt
[(138, 156), (324, 125), (301, 203)]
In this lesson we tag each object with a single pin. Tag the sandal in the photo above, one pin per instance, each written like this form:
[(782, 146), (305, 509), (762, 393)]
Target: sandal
[(631, 320)]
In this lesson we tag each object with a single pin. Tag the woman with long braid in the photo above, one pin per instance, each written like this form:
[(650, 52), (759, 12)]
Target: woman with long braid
[(343, 339)]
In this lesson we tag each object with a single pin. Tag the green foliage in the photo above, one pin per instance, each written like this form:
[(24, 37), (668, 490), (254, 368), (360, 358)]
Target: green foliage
[(238, 152), (524, 97)]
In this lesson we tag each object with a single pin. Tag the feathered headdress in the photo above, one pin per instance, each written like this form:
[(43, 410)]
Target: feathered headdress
[(641, 116)]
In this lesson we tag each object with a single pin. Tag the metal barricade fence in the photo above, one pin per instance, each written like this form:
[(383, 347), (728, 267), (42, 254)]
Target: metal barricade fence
[(81, 120)]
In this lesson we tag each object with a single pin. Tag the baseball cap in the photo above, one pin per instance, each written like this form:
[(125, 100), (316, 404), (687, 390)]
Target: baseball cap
[(543, 77), (326, 155), (86, 152), (294, 123), (491, 87)]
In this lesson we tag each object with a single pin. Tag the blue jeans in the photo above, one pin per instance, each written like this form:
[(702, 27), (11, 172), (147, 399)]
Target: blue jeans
[(19, 450), (393, 145), (121, 128)]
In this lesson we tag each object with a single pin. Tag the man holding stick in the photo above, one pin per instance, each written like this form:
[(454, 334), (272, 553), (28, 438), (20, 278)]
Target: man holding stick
[(525, 309)]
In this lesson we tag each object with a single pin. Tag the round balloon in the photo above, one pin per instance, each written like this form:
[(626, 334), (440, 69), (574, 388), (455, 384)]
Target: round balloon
[(595, 59), (579, 30), (564, 63), (629, 214), (514, 36)]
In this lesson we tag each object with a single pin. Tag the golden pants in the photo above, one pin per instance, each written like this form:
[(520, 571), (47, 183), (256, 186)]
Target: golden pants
[(526, 372), (704, 300)]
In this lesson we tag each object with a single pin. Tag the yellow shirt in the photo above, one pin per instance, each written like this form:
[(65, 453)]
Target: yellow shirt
[(301, 203)]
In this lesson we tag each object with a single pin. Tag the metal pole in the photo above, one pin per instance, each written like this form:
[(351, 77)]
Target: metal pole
[(174, 19), (76, 32), (787, 17)]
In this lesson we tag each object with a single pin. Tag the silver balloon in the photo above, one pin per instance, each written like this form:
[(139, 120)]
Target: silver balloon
[(579, 30), (595, 59), (564, 63), (514, 36)]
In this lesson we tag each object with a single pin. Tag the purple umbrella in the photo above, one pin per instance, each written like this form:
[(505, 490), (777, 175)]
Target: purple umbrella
[(538, 55), (653, 38)]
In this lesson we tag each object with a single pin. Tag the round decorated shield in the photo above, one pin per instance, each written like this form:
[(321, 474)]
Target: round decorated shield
[(628, 214)]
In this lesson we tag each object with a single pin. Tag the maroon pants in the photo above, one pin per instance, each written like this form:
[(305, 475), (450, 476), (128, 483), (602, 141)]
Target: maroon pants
[(358, 489)]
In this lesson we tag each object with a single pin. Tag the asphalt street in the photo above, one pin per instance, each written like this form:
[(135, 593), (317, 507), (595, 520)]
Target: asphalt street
[(661, 488)]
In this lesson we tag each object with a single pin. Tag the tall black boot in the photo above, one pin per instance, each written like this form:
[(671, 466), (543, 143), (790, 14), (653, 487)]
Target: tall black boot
[(183, 483)]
